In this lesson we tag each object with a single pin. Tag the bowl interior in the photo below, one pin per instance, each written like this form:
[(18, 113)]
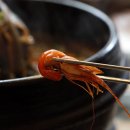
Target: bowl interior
[(73, 31)]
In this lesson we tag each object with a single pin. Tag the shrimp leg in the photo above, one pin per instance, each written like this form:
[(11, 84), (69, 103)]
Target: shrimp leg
[(97, 87), (89, 91), (73, 78)]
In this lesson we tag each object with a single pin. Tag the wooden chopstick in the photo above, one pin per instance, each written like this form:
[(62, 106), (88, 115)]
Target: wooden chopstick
[(113, 79), (100, 65)]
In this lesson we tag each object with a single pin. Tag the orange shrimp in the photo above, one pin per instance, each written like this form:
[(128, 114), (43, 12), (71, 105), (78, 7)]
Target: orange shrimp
[(56, 70)]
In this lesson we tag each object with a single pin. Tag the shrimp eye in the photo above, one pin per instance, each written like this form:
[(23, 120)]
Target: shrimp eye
[(55, 68)]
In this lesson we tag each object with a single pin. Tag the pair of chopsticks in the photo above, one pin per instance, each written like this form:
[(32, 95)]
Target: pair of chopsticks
[(100, 65)]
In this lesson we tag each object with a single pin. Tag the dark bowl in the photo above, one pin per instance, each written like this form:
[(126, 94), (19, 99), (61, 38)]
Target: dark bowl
[(34, 103)]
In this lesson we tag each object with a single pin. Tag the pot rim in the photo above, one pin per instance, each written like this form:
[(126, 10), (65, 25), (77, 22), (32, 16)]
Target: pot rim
[(99, 14), (95, 12)]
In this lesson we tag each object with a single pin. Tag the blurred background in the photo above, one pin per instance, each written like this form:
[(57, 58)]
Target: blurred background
[(119, 12)]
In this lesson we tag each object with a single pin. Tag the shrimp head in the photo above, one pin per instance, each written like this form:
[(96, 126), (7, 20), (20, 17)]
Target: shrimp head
[(49, 68)]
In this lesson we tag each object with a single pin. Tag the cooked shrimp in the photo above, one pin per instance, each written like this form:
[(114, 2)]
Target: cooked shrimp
[(53, 70)]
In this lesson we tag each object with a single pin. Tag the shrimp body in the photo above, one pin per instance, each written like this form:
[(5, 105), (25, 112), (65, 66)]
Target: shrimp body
[(55, 70)]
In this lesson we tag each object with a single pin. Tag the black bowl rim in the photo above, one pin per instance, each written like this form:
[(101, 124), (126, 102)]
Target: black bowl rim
[(87, 8)]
